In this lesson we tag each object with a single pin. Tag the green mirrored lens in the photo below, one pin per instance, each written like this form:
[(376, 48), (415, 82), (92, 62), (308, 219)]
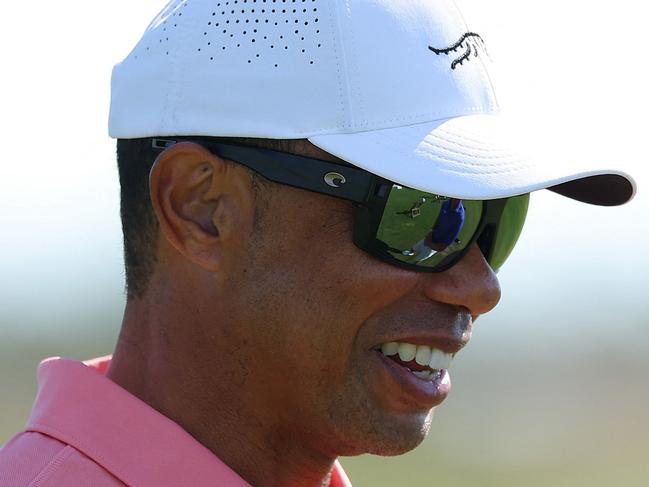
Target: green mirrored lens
[(508, 230), (425, 229)]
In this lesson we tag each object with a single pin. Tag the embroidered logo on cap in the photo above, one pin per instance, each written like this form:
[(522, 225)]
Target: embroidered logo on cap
[(469, 43)]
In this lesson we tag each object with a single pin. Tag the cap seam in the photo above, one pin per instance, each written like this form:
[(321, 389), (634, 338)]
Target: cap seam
[(341, 60), (431, 117), (355, 87), (434, 114), (165, 116), (484, 147), (468, 147), (471, 138), (470, 168), (467, 164), (460, 163), (192, 22), (489, 173), (474, 156)]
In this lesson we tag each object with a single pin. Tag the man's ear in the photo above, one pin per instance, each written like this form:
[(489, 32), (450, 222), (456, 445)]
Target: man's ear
[(203, 202)]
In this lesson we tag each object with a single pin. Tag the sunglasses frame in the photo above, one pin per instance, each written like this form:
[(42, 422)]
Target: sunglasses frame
[(368, 191)]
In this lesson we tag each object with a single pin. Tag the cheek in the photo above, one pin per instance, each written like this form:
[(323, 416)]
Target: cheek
[(320, 255), (313, 286), (319, 289)]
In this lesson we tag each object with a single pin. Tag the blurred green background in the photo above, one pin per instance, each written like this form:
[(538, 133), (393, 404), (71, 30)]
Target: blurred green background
[(552, 390)]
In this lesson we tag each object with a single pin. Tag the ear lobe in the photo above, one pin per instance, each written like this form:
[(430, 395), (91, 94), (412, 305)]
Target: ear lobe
[(195, 195)]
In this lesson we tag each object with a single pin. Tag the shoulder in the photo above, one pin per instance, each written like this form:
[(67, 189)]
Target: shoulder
[(32, 459)]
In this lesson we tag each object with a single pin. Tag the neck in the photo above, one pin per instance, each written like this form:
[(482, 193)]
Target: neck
[(198, 383)]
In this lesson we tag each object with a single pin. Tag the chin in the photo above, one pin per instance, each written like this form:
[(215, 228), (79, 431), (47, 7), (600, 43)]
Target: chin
[(389, 437), (395, 449)]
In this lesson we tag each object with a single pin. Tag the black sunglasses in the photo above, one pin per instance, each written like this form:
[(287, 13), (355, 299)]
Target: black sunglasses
[(402, 226)]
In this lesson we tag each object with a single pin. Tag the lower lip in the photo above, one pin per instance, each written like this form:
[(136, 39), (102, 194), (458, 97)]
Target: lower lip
[(426, 393)]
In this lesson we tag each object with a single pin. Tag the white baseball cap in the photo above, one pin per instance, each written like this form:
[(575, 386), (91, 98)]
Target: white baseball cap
[(400, 88)]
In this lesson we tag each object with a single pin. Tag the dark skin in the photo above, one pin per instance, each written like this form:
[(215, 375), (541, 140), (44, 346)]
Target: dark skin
[(258, 330)]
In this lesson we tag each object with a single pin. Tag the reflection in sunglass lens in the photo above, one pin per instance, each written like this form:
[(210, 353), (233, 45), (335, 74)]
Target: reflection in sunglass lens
[(424, 229)]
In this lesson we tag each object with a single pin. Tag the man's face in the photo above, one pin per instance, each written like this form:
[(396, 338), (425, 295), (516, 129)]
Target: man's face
[(314, 311)]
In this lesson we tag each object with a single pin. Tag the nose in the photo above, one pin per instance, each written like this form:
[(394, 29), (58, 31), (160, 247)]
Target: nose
[(471, 283)]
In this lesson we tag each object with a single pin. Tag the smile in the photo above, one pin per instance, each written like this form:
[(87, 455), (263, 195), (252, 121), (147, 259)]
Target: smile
[(424, 362), (416, 375)]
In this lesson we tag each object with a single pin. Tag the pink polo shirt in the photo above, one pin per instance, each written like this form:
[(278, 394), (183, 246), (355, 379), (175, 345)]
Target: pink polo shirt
[(85, 430)]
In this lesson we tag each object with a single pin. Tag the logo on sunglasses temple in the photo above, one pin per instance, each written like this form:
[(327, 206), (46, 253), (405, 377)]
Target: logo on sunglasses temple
[(334, 179)]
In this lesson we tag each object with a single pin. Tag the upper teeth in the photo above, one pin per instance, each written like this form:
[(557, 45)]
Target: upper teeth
[(423, 355)]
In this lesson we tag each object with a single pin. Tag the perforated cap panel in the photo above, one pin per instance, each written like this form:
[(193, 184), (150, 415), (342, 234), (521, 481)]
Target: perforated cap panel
[(265, 29), (293, 69)]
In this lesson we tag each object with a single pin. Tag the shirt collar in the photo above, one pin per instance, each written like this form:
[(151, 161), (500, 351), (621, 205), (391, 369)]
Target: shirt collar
[(78, 405)]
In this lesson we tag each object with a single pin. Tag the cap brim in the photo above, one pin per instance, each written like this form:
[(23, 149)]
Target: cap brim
[(468, 158)]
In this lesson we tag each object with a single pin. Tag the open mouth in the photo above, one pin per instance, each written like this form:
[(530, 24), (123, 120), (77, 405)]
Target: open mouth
[(424, 362)]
